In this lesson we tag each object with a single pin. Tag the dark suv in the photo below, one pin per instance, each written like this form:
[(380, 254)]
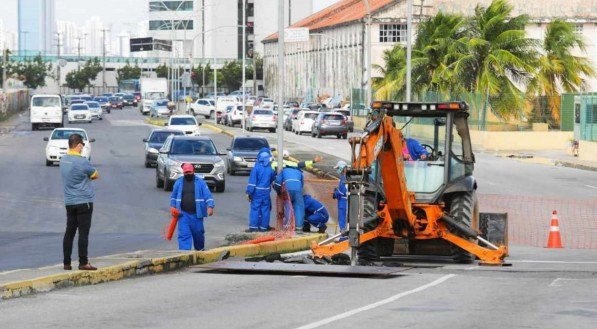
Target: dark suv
[(129, 100), (242, 153), (330, 124), (199, 151)]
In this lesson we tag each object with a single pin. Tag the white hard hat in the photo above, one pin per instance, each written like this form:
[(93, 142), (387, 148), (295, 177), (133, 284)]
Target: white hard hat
[(286, 154), (340, 166)]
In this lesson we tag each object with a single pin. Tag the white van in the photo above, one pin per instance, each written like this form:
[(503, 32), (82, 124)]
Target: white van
[(46, 110), (222, 103)]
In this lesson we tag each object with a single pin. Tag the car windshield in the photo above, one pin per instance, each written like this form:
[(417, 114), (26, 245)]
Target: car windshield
[(93, 104), (79, 107), (192, 147), (65, 134), (113, 99), (128, 97), (86, 98), (250, 144), (161, 102), (160, 136), (46, 101), (183, 122), (263, 112), (310, 115)]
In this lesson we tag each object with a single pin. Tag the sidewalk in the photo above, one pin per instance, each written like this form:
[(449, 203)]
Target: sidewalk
[(554, 157), (23, 282)]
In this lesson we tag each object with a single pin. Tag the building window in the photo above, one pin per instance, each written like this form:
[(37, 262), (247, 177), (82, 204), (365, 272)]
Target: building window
[(392, 33), (578, 28), (170, 5), (167, 25)]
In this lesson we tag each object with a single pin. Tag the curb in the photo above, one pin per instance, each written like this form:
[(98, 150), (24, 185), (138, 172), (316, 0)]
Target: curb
[(155, 122), (150, 266), (218, 129), (575, 165)]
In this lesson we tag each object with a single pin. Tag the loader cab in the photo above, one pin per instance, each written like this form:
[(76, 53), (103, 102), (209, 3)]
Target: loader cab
[(442, 129)]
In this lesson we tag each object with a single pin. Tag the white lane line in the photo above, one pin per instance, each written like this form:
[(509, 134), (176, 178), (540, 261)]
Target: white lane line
[(472, 268), (550, 262), (555, 283), (376, 304), (8, 272), (591, 186)]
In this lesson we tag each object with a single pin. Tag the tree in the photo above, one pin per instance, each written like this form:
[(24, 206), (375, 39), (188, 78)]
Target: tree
[(197, 75), (161, 71), (128, 72), (32, 72), (494, 57), (558, 68), (392, 85), (232, 74), (80, 79)]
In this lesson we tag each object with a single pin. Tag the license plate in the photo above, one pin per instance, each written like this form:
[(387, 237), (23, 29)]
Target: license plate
[(251, 164), (79, 117), (335, 123)]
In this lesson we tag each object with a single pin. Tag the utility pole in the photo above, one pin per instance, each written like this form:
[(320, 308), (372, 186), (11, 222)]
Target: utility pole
[(367, 52), (58, 45), (104, 59), (280, 84), (244, 63), (409, 46), (4, 62)]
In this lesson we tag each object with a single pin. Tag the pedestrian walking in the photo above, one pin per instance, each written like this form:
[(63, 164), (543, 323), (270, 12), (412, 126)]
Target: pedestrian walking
[(191, 201), (79, 195), (292, 178), (315, 214), (341, 194), (258, 192)]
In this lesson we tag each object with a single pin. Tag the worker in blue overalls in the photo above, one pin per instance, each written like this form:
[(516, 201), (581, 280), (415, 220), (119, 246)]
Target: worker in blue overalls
[(292, 178), (258, 191), (341, 194), (191, 200), (315, 214)]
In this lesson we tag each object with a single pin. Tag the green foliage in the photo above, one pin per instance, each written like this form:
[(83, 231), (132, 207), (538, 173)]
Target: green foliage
[(161, 71), (82, 78), (33, 72), (232, 74), (197, 75), (128, 72)]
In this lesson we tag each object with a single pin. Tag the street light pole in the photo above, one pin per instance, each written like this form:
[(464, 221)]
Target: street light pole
[(104, 59), (244, 65), (368, 53), (280, 84), (409, 27)]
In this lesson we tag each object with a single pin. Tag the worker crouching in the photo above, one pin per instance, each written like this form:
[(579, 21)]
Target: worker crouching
[(192, 201), (315, 214), (258, 192)]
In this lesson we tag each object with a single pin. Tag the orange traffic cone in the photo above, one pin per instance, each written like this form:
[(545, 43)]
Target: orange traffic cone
[(554, 240)]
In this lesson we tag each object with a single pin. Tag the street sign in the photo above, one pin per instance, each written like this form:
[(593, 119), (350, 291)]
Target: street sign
[(186, 80), (164, 45), (298, 34), (141, 44)]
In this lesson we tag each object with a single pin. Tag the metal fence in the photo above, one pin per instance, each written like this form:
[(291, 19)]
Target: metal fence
[(586, 118)]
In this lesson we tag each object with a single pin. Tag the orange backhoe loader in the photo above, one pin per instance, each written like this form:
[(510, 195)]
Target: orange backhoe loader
[(435, 198)]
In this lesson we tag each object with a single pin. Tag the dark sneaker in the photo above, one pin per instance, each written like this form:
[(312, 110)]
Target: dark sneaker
[(87, 267), (323, 228), (68, 267), (251, 230), (307, 228)]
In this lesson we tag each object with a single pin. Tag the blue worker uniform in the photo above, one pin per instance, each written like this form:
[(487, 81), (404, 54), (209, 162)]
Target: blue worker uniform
[(258, 189), (190, 225), (292, 178), (415, 149), (341, 194), (315, 212)]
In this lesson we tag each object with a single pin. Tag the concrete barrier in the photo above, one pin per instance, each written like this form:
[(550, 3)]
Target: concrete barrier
[(143, 266)]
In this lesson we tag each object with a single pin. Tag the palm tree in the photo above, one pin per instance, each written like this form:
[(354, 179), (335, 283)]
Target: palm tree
[(495, 58), (558, 68), (393, 84)]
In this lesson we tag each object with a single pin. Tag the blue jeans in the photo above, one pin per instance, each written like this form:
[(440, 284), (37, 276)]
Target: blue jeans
[(298, 205), (190, 232)]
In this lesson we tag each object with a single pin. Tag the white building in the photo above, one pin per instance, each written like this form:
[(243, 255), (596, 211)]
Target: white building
[(69, 35), (94, 38), (331, 62), (210, 28)]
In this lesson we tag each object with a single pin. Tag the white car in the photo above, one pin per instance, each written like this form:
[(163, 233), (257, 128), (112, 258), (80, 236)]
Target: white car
[(223, 102), (79, 113), (96, 110), (251, 100), (186, 123), (235, 116), (267, 103), (304, 122), (46, 110), (205, 107), (58, 144), (262, 119)]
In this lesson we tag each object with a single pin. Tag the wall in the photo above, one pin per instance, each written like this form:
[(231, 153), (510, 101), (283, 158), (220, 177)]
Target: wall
[(587, 151), (13, 101)]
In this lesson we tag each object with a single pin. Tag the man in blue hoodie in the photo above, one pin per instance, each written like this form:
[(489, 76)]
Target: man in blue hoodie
[(192, 201), (258, 191), (292, 178), (315, 214)]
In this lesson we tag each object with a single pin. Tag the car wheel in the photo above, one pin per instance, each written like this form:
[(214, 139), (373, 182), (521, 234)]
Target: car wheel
[(220, 187), (101, 118), (147, 164), (34, 126), (273, 130), (159, 183), (318, 134), (339, 136), (250, 129), (167, 183), (49, 163), (345, 136)]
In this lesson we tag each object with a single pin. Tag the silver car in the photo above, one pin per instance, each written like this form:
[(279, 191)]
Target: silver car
[(159, 109), (199, 151), (262, 119)]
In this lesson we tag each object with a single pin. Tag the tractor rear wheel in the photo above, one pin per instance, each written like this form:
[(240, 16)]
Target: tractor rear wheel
[(464, 207)]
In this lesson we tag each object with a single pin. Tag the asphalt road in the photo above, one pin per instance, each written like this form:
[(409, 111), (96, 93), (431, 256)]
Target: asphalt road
[(555, 290), (130, 212)]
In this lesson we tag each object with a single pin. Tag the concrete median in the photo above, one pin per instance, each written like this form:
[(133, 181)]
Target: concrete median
[(117, 267)]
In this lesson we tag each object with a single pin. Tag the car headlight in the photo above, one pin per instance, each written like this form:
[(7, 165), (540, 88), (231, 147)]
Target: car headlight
[(237, 159), (152, 150)]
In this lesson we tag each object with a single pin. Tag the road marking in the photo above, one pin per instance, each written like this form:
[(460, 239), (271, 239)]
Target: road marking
[(550, 262), (472, 268), (591, 186), (376, 304), (555, 283), (8, 272)]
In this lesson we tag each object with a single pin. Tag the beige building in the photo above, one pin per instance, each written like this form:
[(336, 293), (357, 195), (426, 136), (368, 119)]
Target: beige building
[(331, 62)]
